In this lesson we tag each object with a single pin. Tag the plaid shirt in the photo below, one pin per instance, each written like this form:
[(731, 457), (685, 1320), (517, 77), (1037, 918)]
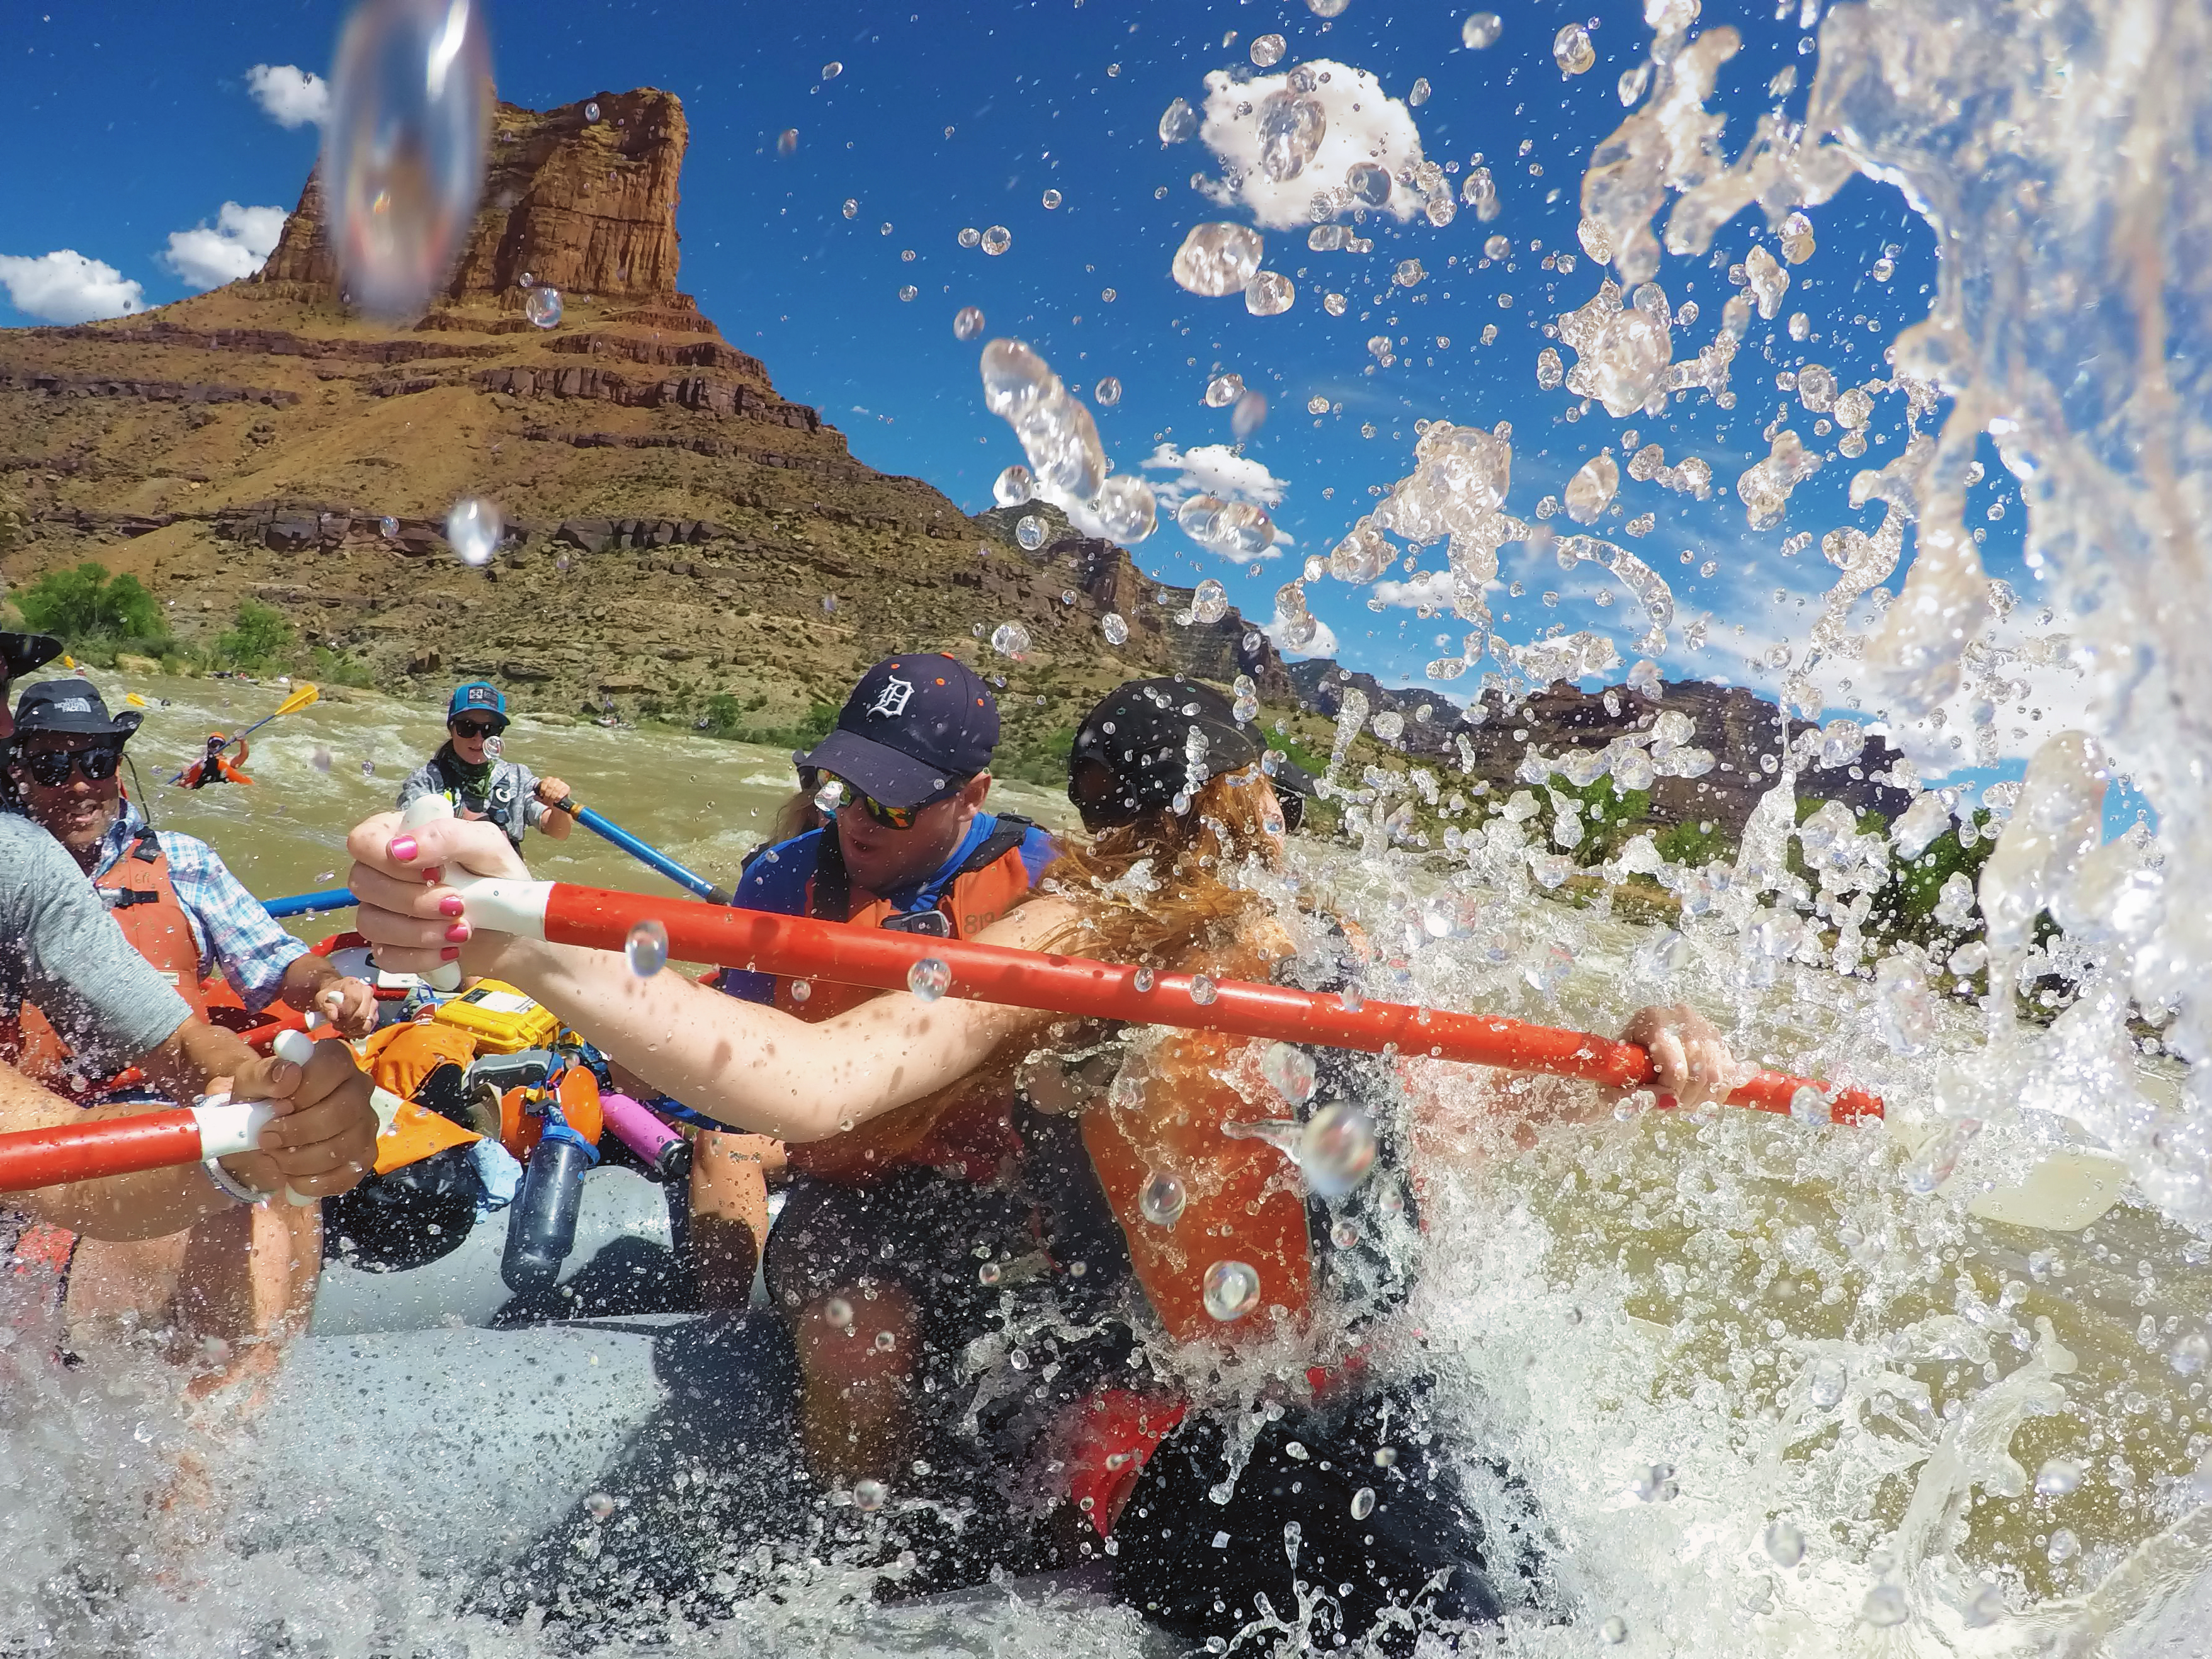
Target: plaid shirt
[(227, 923)]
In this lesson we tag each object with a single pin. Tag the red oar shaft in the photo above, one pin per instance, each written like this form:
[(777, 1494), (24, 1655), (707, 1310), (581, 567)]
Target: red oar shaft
[(803, 948), (108, 1147)]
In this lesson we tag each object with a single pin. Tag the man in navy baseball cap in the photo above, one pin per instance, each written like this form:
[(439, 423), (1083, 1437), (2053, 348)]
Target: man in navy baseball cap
[(916, 728)]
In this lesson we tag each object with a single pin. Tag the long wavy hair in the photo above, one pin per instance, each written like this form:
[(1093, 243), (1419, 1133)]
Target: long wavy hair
[(1156, 891)]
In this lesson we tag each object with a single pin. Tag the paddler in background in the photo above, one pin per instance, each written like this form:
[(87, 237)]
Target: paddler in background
[(213, 767), (1270, 1287), (60, 948), (478, 778)]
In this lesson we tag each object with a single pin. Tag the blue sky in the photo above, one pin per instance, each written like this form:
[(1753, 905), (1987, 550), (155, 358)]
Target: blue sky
[(965, 116)]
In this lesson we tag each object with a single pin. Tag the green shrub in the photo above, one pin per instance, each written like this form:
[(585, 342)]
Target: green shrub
[(723, 714), (1694, 844), (335, 668), (94, 613), (262, 638)]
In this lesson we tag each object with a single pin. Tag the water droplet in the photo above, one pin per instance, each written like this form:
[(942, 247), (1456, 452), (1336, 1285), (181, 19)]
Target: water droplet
[(969, 236), (1223, 390), (1161, 1199), (2064, 1547), (542, 306), (1825, 1381), (1011, 639), (908, 293), (827, 797), (473, 527), (1269, 294), (1291, 1070), (1030, 532), (929, 979), (1986, 1608), (830, 71), (885, 1342), (1363, 1502), (1177, 121), (1614, 1631), (599, 1505), (787, 142), (1571, 50), (1326, 8), (1052, 198), (388, 525), (1231, 1290), (1369, 183), (997, 239), (1336, 1149), (1013, 486), (1108, 392), (869, 1495), (1218, 258), (1290, 129), (1654, 1483), (1202, 989), (1267, 50), (2191, 1354), (1418, 93), (2057, 1477), (320, 760), (1117, 633), (1481, 30), (402, 160), (1784, 1543), (592, 111), (1386, 1457), (646, 947), (1343, 1234), (1809, 1106), (837, 1313), (989, 1274), (967, 322), (800, 990)]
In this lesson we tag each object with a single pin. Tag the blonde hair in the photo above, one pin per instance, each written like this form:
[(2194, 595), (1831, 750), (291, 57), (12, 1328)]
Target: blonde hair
[(1181, 902)]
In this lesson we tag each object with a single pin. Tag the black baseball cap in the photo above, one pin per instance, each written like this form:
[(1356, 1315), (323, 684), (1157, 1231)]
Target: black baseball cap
[(1132, 753), (24, 652), (915, 727), (73, 706)]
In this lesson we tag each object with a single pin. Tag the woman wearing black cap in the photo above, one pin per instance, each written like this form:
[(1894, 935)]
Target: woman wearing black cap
[(1162, 1183)]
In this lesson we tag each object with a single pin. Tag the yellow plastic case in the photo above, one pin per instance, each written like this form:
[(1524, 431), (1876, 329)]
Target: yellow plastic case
[(503, 1019)]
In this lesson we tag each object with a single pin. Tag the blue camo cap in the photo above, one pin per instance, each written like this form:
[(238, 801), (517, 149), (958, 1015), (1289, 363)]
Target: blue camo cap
[(476, 694)]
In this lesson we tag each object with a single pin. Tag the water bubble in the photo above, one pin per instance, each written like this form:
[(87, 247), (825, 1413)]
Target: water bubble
[(1209, 601), (1290, 1069), (929, 979), (989, 1274), (1202, 990), (1986, 1608), (320, 760), (1113, 627), (2057, 1477), (1161, 1199), (1408, 273), (2064, 1547), (1885, 1606), (1030, 532), (1416, 95), (542, 306), (1571, 50), (1326, 8), (1345, 1236), (1654, 1483), (1011, 488), (2190, 1355), (1809, 1106), (1334, 304), (1142, 979), (1267, 50), (970, 236), (1825, 1381), (1784, 1543), (1177, 121), (1363, 1502), (997, 239), (1336, 1149), (1269, 294), (403, 158), (599, 1505), (869, 1495), (1223, 390), (1011, 639), (830, 71), (367, 769), (1216, 258), (908, 292), (1614, 1631), (1481, 30), (1107, 392), (801, 990), (832, 792), (1230, 1290), (1290, 129), (473, 527), (388, 527), (787, 142), (646, 947), (592, 111), (1370, 185), (852, 208)]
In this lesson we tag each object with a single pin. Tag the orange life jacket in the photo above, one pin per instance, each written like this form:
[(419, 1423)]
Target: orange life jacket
[(143, 901)]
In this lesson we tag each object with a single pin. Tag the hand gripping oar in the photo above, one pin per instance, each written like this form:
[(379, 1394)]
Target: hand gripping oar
[(643, 852), (300, 699), (803, 948), (155, 1141)]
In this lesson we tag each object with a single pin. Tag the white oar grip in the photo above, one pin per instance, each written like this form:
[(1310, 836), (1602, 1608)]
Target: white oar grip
[(497, 904), (229, 1127)]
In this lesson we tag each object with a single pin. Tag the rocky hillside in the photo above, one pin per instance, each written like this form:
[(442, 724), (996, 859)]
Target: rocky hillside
[(681, 543)]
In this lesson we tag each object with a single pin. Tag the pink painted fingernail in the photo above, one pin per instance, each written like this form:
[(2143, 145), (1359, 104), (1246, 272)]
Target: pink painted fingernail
[(458, 932), (404, 848), (451, 953), (451, 905)]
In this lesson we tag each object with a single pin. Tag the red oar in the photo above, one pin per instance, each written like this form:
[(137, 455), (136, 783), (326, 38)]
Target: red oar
[(129, 1145), (882, 958)]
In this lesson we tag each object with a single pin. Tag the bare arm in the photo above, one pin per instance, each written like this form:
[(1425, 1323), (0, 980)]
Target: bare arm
[(754, 1067)]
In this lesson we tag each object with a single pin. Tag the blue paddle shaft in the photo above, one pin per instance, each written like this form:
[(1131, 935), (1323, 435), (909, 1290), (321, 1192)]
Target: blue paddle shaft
[(308, 905), (687, 879)]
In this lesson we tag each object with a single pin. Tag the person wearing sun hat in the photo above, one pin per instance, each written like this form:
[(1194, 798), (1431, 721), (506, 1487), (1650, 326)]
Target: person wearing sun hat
[(470, 771)]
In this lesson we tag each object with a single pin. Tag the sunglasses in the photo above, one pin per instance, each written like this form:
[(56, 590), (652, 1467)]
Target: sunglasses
[(474, 729), (50, 768), (898, 818)]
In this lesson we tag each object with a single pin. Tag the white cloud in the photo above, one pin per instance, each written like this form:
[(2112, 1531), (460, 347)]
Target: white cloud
[(241, 238), (65, 286), (1364, 124), (1323, 643), (288, 96), (1214, 469), (1433, 589)]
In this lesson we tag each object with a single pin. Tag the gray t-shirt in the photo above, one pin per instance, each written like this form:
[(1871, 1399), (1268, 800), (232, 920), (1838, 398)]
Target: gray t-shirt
[(511, 801), (60, 948)]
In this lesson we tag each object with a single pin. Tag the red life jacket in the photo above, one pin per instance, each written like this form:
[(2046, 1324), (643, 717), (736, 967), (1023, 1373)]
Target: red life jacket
[(143, 901)]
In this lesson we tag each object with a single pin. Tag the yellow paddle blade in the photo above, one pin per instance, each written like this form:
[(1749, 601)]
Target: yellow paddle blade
[(135, 701), (68, 661), (300, 699)]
